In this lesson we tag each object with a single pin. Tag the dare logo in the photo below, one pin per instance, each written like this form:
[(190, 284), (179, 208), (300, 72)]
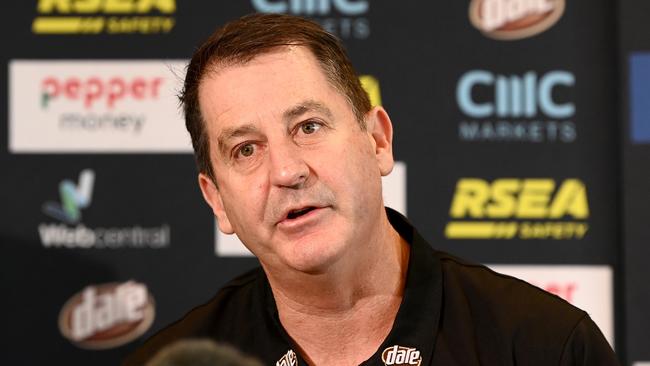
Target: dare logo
[(398, 355), (104, 16), (534, 208), (514, 19), (107, 316)]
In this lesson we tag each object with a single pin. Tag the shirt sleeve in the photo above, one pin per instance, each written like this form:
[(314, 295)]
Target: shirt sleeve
[(587, 346)]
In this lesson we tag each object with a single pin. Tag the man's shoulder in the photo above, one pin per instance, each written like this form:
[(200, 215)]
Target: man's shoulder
[(510, 317), (499, 293), (213, 319)]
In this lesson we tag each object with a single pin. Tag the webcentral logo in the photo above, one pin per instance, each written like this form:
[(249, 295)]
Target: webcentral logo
[(518, 208), (73, 198), (104, 16), (72, 233), (348, 23), (526, 108)]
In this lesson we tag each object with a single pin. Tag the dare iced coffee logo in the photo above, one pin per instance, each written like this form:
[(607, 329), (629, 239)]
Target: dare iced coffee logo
[(107, 316), (399, 355), (514, 19)]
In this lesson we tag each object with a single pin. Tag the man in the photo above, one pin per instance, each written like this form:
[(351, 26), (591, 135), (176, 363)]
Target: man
[(291, 156)]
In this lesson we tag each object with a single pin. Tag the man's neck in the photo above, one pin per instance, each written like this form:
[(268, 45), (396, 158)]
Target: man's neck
[(342, 316)]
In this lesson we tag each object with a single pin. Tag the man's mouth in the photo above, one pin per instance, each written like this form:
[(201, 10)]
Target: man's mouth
[(293, 214)]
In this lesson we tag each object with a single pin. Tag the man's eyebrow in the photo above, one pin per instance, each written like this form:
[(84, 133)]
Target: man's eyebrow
[(232, 132), (304, 107)]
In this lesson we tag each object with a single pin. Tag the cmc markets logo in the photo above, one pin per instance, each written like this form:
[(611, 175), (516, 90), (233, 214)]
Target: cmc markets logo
[(70, 232), (518, 208), (345, 18), (398, 355), (104, 16), (514, 19), (525, 108), (108, 315)]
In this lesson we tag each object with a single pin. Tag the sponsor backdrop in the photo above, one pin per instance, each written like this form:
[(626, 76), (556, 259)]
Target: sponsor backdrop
[(507, 124)]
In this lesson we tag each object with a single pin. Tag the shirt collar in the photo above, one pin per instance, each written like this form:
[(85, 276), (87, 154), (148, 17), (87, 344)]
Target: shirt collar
[(418, 317)]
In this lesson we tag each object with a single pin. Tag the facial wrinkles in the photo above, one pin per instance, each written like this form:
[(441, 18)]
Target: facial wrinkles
[(287, 198)]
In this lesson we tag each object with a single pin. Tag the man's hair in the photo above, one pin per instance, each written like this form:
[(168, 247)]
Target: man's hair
[(241, 40)]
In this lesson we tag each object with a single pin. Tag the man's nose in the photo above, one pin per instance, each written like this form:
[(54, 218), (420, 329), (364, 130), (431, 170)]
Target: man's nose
[(288, 169)]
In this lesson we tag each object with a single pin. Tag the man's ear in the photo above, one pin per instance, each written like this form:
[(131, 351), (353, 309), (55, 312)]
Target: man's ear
[(380, 129), (212, 196)]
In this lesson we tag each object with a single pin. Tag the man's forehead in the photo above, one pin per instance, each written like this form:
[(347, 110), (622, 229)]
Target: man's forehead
[(230, 93)]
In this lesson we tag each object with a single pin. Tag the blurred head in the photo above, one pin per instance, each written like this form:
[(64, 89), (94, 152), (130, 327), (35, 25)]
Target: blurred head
[(200, 352), (244, 39)]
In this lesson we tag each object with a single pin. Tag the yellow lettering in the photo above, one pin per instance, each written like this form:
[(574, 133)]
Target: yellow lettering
[(534, 198), (48, 6), (470, 197), (371, 85), (504, 200), (118, 6), (87, 6), (164, 6), (571, 199)]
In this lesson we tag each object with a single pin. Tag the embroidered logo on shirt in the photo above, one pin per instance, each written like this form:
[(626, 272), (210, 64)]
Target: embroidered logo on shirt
[(289, 359), (399, 355)]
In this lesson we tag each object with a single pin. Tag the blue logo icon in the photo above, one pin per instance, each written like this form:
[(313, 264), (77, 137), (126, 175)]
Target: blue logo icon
[(640, 97), (74, 198)]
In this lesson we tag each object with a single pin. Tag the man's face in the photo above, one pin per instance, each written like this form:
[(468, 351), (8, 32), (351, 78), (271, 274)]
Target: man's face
[(298, 180)]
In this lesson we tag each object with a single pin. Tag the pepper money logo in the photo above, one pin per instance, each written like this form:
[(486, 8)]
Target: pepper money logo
[(107, 316), (104, 16), (72, 233), (344, 18), (514, 19), (98, 106), (398, 355), (511, 208), (521, 108)]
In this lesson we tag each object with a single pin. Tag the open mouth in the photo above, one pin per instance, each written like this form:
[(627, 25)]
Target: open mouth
[(297, 213)]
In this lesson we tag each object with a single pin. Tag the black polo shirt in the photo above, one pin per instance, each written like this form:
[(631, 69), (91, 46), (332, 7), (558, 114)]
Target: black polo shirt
[(452, 313)]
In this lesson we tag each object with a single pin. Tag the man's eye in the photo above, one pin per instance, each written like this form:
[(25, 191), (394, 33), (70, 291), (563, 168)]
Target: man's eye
[(310, 127), (246, 150)]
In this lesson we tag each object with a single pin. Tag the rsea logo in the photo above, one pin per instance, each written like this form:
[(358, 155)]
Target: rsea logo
[(508, 208), (72, 233), (345, 18), (514, 19), (104, 16), (107, 316), (398, 355), (95, 107), (531, 107)]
